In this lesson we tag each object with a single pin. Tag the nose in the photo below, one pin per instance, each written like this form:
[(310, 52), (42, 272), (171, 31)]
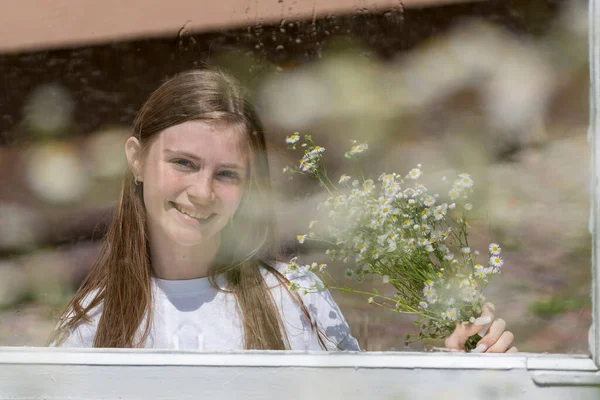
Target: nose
[(201, 191)]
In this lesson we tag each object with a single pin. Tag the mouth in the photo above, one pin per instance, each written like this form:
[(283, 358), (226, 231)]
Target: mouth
[(202, 218)]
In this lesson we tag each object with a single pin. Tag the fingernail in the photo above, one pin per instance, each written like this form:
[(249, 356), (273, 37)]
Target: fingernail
[(483, 331), (482, 320), (480, 348)]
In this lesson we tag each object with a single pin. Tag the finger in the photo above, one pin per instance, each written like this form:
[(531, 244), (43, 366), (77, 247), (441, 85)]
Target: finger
[(503, 344), (459, 337), (482, 323), (465, 330), (496, 330), (512, 350), (489, 307)]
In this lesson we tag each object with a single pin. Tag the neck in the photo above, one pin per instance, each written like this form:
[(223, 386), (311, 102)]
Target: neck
[(177, 262)]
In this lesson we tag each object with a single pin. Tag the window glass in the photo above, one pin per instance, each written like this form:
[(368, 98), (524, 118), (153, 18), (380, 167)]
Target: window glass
[(498, 90)]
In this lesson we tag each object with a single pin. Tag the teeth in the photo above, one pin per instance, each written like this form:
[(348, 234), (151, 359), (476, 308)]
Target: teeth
[(191, 214)]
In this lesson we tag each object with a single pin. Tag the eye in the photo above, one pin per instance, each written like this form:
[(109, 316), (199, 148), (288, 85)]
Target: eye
[(230, 175), (182, 162)]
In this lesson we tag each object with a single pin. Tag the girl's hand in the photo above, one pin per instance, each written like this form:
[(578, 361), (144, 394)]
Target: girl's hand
[(496, 340)]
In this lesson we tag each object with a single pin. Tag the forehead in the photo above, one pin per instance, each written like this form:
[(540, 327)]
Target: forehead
[(207, 140)]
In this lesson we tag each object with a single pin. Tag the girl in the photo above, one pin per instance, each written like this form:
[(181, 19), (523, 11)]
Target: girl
[(188, 260)]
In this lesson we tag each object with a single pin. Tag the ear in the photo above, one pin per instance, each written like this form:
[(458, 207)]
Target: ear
[(133, 152)]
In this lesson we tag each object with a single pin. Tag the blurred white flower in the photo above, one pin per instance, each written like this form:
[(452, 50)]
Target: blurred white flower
[(344, 178), (414, 173), (494, 249), (56, 173)]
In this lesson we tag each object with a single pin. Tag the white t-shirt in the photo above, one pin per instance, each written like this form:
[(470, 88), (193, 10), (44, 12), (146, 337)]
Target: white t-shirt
[(193, 315)]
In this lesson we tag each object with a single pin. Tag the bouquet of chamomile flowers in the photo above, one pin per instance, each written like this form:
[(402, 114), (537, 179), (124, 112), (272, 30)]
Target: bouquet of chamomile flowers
[(393, 227)]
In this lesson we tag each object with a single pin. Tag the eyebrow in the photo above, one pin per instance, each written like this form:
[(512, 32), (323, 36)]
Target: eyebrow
[(195, 157)]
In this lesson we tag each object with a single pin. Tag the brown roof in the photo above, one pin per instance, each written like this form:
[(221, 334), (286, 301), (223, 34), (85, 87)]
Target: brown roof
[(38, 24)]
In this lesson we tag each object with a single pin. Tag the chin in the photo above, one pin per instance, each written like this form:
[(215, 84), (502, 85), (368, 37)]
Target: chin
[(190, 238)]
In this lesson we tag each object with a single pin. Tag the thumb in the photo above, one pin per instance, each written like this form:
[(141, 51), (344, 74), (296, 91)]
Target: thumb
[(459, 337), (464, 330)]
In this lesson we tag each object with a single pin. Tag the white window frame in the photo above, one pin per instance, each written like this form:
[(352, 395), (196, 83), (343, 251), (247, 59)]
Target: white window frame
[(36, 373)]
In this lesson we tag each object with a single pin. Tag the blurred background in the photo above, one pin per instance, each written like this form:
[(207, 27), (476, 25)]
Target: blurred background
[(498, 89)]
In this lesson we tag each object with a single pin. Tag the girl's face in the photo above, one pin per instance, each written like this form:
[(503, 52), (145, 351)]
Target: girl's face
[(193, 175)]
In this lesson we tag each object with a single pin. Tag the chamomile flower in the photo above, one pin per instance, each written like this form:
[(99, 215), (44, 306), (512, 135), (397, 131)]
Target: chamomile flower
[(465, 250), (362, 247), (349, 273), (423, 305), (480, 271), (293, 139), (494, 249), (344, 178), (439, 212), (309, 163), (386, 279), (465, 180), (301, 238), (468, 206), (356, 149), (454, 193), (429, 201), (414, 173), (430, 294), (451, 314), (368, 185), (496, 261)]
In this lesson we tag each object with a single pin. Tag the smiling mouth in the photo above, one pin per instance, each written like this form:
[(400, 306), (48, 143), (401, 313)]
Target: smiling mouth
[(196, 216)]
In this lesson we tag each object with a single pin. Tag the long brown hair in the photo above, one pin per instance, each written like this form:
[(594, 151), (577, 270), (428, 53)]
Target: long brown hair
[(120, 279)]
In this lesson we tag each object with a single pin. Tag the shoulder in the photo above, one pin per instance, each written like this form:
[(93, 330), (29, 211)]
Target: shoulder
[(298, 276), (83, 333), (320, 304)]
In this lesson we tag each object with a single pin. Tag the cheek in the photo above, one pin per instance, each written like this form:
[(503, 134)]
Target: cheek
[(231, 197), (161, 183)]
